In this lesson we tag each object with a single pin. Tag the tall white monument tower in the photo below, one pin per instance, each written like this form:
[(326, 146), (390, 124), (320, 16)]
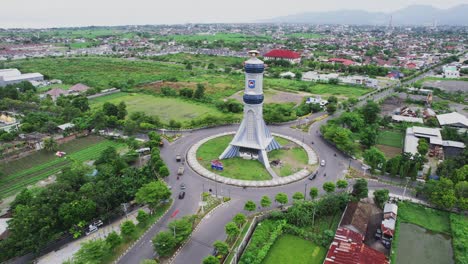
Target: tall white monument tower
[(253, 139)]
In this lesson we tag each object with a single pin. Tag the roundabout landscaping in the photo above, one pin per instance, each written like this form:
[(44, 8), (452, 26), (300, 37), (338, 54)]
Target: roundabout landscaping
[(295, 160)]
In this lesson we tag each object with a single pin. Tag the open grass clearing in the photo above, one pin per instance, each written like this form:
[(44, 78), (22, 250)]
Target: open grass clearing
[(166, 108), (289, 249), (390, 138), (293, 159), (431, 219), (389, 152), (276, 96)]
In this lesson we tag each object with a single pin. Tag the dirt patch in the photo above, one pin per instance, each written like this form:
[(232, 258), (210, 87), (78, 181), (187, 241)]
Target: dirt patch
[(275, 96), (449, 85), (389, 152), (390, 104)]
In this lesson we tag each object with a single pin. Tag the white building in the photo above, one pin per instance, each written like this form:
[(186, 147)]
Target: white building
[(453, 119), (450, 72), (312, 76), (11, 76)]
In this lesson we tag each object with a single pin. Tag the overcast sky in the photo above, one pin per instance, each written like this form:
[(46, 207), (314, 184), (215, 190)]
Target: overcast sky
[(62, 13)]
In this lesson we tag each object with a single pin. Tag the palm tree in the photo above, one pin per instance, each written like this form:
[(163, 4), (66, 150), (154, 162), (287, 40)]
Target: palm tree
[(50, 144)]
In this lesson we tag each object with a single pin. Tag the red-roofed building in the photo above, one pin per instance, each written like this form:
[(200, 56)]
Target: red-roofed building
[(280, 54), (348, 248), (345, 62)]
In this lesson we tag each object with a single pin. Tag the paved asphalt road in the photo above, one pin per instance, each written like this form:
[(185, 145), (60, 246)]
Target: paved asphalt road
[(212, 228)]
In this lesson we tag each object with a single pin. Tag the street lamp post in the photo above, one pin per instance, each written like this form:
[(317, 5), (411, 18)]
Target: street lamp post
[(404, 190), (305, 191)]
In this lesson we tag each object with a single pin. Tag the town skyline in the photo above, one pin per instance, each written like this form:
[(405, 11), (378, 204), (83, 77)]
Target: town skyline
[(59, 14)]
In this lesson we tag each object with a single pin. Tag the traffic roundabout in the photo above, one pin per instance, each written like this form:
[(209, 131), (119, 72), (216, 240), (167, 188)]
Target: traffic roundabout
[(194, 162)]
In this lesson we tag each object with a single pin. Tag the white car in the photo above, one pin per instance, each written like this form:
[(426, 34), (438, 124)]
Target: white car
[(322, 163)]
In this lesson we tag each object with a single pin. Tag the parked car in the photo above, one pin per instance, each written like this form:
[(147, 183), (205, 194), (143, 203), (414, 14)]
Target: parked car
[(311, 177), (182, 186), (181, 195), (91, 229), (180, 171), (178, 158), (322, 163), (97, 223)]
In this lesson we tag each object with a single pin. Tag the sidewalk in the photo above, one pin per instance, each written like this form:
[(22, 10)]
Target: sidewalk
[(71, 248)]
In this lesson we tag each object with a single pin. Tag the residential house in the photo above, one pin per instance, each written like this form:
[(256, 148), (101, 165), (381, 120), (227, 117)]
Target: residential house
[(348, 248), (78, 89), (56, 93), (318, 77), (390, 213)]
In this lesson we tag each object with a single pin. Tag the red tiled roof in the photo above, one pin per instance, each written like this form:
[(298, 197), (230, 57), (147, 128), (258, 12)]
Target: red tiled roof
[(284, 54), (345, 62), (348, 248)]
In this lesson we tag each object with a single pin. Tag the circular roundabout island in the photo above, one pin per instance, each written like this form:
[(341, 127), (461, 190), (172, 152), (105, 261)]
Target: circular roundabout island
[(292, 162)]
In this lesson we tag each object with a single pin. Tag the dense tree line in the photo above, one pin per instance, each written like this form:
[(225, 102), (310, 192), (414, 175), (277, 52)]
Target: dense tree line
[(43, 214)]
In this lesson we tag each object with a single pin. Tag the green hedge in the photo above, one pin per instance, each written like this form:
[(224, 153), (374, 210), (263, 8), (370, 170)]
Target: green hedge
[(263, 238)]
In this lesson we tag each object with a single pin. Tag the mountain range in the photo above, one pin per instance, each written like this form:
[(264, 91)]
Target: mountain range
[(411, 15)]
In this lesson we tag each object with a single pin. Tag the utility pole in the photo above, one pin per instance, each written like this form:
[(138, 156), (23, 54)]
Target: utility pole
[(305, 191)]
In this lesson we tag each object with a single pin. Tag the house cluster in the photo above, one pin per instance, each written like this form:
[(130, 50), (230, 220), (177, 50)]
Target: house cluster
[(12, 76), (74, 90), (352, 241), (378, 83), (439, 147)]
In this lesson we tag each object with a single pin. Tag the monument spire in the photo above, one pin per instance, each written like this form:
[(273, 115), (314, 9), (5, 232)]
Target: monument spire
[(253, 138)]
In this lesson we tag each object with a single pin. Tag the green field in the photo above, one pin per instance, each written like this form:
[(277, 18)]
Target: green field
[(294, 159), (225, 37), (102, 72), (236, 168), (390, 138), (434, 221), (317, 88), (306, 35), (165, 107), (42, 164), (431, 219), (289, 249)]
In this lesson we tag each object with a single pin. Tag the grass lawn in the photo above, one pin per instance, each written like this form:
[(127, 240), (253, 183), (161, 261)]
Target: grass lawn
[(164, 107), (431, 219), (289, 249), (390, 138), (236, 168), (293, 159), (42, 164)]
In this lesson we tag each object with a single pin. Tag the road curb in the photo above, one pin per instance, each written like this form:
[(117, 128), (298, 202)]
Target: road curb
[(196, 228), (141, 237)]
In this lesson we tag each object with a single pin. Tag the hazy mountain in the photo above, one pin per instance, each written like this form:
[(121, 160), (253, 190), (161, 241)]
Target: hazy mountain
[(411, 15)]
